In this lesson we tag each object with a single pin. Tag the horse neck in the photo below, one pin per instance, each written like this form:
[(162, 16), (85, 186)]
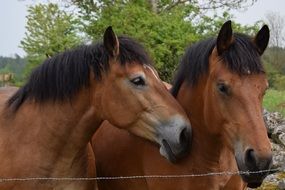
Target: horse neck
[(76, 118), (207, 147), (55, 133)]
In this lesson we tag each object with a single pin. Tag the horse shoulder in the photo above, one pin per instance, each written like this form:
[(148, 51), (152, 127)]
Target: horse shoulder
[(235, 183)]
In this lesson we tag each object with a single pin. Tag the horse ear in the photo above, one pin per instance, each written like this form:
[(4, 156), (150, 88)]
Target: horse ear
[(262, 38), (111, 42), (225, 37)]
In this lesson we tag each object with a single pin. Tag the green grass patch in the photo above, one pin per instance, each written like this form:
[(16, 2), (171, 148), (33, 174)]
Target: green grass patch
[(275, 101)]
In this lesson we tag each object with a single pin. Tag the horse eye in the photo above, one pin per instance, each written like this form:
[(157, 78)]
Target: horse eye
[(138, 81), (223, 88)]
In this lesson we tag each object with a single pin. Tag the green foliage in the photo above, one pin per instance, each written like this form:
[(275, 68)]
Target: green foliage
[(274, 100), (275, 57), (165, 33), (164, 27), (279, 82), (210, 26), (274, 62), (49, 31)]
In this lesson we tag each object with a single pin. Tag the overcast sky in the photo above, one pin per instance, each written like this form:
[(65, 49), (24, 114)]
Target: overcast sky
[(13, 13)]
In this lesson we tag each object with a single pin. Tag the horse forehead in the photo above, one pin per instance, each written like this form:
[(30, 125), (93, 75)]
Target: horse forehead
[(218, 68), (128, 68), (219, 71), (257, 81), (152, 71), (137, 68)]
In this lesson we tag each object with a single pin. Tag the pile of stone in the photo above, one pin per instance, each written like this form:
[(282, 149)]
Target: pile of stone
[(276, 131)]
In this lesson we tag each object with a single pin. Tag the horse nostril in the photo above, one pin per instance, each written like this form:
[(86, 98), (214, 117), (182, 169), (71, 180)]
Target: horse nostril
[(256, 162), (184, 137), (250, 158)]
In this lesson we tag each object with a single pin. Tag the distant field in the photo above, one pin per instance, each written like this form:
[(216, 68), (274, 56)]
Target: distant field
[(275, 101)]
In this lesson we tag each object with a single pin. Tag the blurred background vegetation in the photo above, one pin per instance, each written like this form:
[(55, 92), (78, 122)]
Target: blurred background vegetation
[(164, 27)]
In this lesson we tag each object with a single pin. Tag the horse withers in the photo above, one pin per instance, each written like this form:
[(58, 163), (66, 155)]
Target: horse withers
[(46, 126), (220, 83)]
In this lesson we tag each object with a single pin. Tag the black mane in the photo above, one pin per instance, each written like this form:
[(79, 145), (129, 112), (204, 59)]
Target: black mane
[(242, 57), (62, 76)]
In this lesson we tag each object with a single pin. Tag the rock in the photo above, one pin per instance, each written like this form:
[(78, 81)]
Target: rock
[(275, 125), (278, 135), (281, 184), (278, 155), (272, 120)]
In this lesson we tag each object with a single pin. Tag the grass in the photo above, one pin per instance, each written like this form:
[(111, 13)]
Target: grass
[(275, 101)]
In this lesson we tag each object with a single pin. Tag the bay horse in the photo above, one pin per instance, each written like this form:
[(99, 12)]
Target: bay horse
[(220, 83), (47, 125)]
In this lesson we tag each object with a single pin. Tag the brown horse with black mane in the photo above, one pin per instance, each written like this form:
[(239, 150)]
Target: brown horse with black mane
[(47, 125), (220, 83)]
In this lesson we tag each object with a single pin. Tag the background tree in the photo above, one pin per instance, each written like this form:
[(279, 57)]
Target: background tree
[(274, 57), (165, 27), (159, 6), (50, 30), (276, 23)]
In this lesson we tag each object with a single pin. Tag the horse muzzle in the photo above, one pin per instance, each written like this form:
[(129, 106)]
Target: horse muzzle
[(175, 138), (254, 167)]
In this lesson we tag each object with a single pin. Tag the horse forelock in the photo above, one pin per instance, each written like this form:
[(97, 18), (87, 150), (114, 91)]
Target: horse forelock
[(241, 58)]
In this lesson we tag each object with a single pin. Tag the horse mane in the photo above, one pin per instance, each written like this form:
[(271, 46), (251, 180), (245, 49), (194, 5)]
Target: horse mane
[(60, 77), (242, 58)]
